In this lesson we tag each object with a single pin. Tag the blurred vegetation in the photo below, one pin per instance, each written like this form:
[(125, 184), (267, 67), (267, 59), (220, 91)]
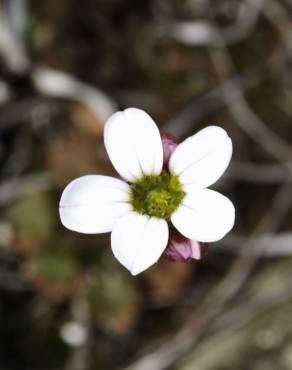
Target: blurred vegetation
[(65, 302)]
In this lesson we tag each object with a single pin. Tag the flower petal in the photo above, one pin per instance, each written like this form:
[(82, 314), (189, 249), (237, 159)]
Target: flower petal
[(138, 241), (92, 204), (202, 158), (133, 143), (205, 216)]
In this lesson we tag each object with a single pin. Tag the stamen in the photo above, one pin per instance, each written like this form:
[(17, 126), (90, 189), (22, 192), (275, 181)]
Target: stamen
[(157, 196)]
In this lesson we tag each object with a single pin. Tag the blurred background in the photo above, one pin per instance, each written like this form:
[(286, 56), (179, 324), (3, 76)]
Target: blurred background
[(65, 66)]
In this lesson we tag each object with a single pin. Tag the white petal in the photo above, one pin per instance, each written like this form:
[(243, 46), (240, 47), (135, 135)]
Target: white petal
[(202, 158), (133, 143), (138, 241), (205, 216), (92, 204)]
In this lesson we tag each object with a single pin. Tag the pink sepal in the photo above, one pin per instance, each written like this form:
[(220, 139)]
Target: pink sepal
[(185, 250), (169, 144)]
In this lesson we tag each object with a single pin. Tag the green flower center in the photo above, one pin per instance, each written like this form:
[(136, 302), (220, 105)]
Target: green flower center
[(157, 196)]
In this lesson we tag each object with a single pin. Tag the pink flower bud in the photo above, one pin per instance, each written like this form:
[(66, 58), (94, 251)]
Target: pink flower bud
[(185, 250), (169, 144)]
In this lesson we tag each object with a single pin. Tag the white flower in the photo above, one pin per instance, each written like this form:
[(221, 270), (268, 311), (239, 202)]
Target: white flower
[(137, 210)]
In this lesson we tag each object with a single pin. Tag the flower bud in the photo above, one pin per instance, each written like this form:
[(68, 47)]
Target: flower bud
[(169, 144), (185, 250)]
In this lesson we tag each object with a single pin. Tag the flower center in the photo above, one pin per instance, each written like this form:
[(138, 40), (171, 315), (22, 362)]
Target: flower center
[(157, 196)]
